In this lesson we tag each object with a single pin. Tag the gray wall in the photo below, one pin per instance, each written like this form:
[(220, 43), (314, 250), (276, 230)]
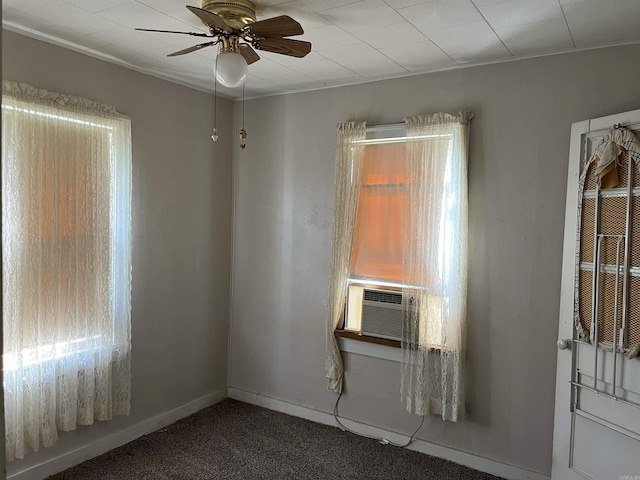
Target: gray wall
[(181, 228), (517, 180)]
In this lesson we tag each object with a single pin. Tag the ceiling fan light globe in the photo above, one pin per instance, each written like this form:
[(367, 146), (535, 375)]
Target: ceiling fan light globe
[(232, 69)]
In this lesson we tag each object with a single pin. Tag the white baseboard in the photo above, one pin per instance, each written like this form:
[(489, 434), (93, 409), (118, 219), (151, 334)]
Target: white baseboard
[(103, 445), (469, 460)]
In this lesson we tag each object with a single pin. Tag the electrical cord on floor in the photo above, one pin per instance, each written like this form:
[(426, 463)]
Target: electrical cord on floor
[(383, 441)]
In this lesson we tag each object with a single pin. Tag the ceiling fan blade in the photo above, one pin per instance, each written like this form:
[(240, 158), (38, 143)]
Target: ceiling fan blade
[(191, 49), (284, 46), (249, 54), (210, 19), (171, 31), (282, 26)]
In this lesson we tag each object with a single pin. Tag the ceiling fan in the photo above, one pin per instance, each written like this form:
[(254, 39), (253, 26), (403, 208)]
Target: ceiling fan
[(233, 22)]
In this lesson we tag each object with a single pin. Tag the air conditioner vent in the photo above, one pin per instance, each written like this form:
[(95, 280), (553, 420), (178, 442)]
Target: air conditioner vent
[(382, 314), (383, 297)]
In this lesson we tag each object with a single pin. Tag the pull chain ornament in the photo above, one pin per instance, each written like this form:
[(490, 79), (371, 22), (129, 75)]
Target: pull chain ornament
[(214, 137)]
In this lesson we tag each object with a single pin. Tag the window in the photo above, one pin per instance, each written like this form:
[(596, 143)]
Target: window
[(374, 299), (66, 188), (377, 274), (399, 252), (377, 243)]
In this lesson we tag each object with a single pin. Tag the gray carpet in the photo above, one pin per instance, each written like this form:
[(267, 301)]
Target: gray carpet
[(234, 440)]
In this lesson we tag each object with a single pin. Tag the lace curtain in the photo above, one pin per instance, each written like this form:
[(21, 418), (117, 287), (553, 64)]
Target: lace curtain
[(349, 156), (435, 265), (66, 240)]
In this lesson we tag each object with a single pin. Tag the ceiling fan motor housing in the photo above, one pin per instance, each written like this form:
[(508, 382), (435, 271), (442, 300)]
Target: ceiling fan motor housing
[(236, 13)]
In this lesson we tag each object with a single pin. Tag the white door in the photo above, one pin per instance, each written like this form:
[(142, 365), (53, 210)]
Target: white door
[(597, 410)]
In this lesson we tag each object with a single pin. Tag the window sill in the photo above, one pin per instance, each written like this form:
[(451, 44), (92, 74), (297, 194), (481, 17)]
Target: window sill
[(351, 342)]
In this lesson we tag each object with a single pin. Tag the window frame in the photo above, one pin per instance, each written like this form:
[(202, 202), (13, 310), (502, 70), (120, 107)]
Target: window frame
[(351, 330), (350, 339), (51, 352)]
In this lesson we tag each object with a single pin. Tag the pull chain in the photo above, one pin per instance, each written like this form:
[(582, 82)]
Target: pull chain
[(243, 132), (214, 135)]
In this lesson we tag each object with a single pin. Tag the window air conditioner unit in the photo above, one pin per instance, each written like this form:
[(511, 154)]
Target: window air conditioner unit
[(380, 311)]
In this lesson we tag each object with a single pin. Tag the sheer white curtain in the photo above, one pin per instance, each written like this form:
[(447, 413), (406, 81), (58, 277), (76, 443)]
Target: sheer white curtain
[(349, 156), (66, 240), (435, 265)]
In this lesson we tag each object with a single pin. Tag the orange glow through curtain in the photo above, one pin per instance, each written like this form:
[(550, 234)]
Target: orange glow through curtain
[(378, 235)]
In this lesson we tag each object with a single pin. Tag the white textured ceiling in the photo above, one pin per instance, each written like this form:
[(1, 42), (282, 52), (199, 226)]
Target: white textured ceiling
[(353, 41)]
